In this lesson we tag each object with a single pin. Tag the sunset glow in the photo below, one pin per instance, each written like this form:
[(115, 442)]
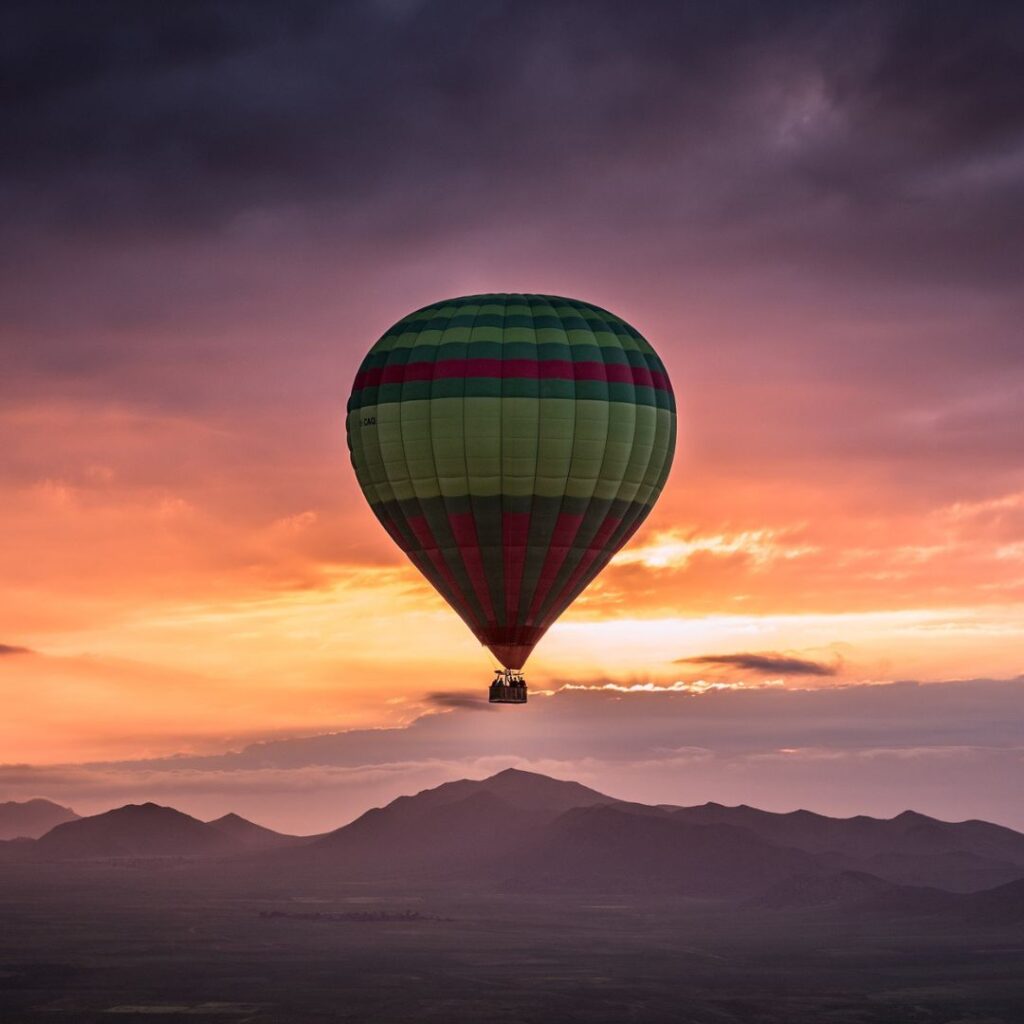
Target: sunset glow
[(822, 250)]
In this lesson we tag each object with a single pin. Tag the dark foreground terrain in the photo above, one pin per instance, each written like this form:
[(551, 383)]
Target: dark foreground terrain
[(105, 942)]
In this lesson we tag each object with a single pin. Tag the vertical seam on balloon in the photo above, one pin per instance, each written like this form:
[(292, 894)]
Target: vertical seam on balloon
[(430, 432), (538, 605), (607, 435), (465, 463), (469, 598), (553, 600), (520, 610), (494, 569), (630, 523), (501, 613), (642, 509), (400, 518), (399, 515), (572, 433), (457, 601)]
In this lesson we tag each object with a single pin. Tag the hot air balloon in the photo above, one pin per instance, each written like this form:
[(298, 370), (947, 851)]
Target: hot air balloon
[(510, 445)]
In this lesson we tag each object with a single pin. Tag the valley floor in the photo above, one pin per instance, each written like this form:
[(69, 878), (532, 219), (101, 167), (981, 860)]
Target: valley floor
[(99, 943)]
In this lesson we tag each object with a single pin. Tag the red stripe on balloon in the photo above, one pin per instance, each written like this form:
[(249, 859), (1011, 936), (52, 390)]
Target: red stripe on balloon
[(425, 536), (567, 526), (463, 528), (595, 548), (515, 528)]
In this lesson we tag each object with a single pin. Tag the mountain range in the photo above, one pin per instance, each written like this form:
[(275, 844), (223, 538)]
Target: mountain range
[(520, 831)]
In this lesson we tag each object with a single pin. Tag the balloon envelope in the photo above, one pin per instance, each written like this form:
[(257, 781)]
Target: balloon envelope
[(510, 445)]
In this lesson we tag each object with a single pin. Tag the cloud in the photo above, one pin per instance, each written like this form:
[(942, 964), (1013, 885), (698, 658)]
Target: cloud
[(696, 686), (782, 664), (671, 549), (950, 749), (7, 650), (462, 700)]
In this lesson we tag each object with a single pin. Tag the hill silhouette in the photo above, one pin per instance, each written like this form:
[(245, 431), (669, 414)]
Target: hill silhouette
[(615, 848), (252, 836), (466, 828), (910, 848), (29, 819), (135, 830)]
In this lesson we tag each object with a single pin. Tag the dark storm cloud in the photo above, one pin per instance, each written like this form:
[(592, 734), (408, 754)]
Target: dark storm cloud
[(7, 650), (766, 662), (186, 114), (123, 117)]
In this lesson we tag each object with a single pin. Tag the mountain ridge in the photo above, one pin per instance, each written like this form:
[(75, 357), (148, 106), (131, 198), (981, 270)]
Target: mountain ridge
[(523, 831)]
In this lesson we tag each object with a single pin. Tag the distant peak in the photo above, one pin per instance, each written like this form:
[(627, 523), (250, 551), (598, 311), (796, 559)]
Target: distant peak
[(36, 801), (148, 810), (912, 816), (512, 773)]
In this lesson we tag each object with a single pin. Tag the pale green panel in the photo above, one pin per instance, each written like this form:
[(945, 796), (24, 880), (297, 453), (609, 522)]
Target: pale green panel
[(419, 452), (428, 336), (422, 314), (402, 335), (356, 443), (579, 336), (621, 431), (590, 437), (495, 307), (626, 342), (554, 445), (455, 333), (525, 335), (554, 335), (565, 311), (483, 445), (481, 332), (664, 443), (519, 433), (392, 450), (517, 307), (661, 453), (366, 455), (640, 454), (447, 437)]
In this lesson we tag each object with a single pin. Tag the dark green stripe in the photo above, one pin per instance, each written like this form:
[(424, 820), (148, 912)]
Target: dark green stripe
[(514, 387), (539, 323), (578, 352)]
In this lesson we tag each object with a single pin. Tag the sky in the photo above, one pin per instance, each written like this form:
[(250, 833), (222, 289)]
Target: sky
[(812, 211)]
